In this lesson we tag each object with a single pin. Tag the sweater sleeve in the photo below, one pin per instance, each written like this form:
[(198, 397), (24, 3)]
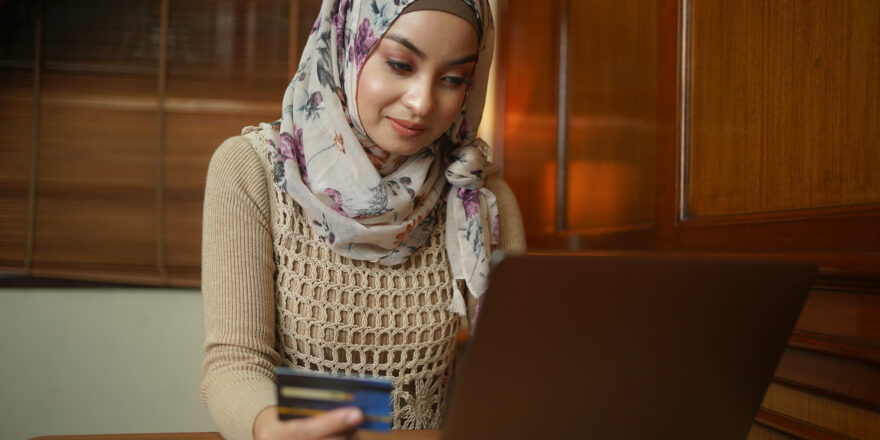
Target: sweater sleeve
[(238, 291), (513, 236)]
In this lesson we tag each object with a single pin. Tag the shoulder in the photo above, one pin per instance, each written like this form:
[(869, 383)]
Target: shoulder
[(235, 168), (236, 161)]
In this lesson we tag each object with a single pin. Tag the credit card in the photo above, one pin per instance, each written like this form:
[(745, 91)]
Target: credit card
[(304, 394)]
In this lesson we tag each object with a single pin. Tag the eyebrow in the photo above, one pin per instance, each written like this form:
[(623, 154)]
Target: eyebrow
[(412, 47)]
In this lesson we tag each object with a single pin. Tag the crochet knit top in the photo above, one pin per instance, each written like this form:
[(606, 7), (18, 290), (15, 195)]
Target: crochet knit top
[(275, 294)]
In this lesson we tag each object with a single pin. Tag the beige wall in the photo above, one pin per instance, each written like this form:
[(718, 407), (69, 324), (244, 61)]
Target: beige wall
[(91, 361)]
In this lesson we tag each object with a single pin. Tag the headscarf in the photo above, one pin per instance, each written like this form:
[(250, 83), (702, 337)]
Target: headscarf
[(367, 204)]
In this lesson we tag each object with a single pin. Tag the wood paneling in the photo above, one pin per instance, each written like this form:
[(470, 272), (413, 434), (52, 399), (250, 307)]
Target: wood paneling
[(612, 103), (830, 414), (761, 432), (834, 376), (770, 424), (528, 40), (783, 106), (766, 146)]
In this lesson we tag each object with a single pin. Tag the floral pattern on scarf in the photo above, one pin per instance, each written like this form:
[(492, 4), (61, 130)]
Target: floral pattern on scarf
[(365, 203)]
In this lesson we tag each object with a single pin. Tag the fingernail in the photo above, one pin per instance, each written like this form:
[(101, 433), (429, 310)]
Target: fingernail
[(353, 416)]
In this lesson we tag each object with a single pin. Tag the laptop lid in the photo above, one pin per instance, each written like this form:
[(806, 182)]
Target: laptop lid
[(625, 348)]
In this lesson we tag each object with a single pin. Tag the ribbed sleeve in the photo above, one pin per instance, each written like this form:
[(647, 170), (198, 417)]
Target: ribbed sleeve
[(513, 237), (238, 291)]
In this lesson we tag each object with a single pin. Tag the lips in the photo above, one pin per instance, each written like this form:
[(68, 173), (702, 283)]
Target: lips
[(406, 128)]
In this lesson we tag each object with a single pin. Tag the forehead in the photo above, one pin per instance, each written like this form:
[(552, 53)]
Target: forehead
[(436, 33)]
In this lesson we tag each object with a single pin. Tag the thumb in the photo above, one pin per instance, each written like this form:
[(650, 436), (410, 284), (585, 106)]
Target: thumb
[(337, 421)]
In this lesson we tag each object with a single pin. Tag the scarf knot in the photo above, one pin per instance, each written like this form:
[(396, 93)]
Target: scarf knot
[(472, 221), (468, 167)]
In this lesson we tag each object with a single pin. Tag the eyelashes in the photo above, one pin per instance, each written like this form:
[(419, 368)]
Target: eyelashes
[(398, 66), (402, 68)]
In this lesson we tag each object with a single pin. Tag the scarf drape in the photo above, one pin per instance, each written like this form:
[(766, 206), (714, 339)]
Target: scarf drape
[(367, 204)]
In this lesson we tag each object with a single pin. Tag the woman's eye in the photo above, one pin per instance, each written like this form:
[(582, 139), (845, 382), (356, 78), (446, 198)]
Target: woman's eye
[(397, 66), (455, 80)]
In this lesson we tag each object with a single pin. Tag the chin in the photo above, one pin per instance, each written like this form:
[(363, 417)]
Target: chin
[(403, 149), (395, 145)]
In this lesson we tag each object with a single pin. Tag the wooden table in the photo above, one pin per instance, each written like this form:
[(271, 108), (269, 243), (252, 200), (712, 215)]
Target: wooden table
[(365, 435)]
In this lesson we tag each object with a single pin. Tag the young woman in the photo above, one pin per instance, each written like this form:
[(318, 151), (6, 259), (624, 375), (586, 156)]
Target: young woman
[(350, 235)]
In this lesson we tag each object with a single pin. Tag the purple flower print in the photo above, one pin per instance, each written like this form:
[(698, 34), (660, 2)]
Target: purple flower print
[(470, 198), (292, 149), (315, 26), (337, 20), (336, 197), (364, 40)]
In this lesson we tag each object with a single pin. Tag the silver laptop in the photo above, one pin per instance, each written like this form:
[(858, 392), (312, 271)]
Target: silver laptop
[(625, 348)]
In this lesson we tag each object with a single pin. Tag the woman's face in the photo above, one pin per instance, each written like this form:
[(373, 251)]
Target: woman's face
[(413, 83)]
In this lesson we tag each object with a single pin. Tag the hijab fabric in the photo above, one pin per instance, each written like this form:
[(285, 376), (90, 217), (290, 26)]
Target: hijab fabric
[(365, 203)]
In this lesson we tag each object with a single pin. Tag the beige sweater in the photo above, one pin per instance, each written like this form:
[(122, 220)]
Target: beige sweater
[(274, 294)]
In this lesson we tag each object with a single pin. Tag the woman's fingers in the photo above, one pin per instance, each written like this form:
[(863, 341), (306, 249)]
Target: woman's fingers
[(339, 423)]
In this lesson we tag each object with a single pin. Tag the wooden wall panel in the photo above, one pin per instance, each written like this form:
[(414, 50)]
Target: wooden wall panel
[(766, 147), (760, 432), (612, 103), (783, 106), (831, 375), (528, 42), (833, 415)]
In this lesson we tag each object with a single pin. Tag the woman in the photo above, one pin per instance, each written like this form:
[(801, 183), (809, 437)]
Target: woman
[(342, 237)]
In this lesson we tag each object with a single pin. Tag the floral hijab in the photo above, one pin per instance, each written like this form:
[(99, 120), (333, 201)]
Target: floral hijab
[(367, 204)]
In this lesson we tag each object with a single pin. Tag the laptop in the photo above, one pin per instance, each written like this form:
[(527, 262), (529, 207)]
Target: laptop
[(570, 347)]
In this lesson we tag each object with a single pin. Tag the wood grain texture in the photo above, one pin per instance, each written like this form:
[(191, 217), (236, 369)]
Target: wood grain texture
[(836, 416), (780, 423), (611, 126), (845, 318), (785, 106), (528, 57), (761, 432), (775, 143), (833, 376)]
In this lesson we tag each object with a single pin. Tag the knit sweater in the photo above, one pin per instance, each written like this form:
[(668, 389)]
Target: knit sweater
[(275, 294)]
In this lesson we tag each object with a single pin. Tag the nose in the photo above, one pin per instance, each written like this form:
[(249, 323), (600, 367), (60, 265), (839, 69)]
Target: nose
[(419, 98)]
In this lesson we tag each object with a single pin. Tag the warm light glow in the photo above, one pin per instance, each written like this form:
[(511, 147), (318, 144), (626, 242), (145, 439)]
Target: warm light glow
[(486, 130)]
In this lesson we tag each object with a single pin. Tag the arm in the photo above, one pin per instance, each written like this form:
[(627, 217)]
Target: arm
[(238, 291), (513, 237)]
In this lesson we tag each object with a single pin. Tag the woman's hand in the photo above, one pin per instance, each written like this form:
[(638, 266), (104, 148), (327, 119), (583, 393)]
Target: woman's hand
[(339, 424)]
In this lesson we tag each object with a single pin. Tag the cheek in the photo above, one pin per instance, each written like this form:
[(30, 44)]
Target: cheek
[(450, 106), (371, 90)]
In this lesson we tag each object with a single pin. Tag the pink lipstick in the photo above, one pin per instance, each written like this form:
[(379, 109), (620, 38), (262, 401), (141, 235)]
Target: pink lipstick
[(406, 128)]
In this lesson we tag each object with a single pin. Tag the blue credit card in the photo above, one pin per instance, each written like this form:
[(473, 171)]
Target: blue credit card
[(305, 393)]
